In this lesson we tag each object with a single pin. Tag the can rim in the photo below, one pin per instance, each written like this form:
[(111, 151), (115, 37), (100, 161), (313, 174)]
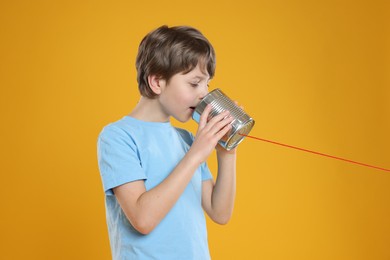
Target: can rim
[(229, 147)]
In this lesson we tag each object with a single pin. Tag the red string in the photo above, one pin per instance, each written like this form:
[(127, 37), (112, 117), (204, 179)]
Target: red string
[(322, 154)]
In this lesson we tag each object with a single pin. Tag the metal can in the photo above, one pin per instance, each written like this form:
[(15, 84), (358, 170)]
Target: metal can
[(242, 123)]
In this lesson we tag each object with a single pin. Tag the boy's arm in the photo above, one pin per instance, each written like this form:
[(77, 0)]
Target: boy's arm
[(218, 198), (145, 209)]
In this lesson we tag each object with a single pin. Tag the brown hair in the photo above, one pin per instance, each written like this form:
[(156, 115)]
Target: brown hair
[(167, 51)]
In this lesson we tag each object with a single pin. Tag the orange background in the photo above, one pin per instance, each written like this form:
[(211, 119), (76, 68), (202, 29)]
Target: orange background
[(314, 74)]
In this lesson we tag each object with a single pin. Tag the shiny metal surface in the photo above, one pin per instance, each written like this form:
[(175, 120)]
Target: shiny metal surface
[(241, 125)]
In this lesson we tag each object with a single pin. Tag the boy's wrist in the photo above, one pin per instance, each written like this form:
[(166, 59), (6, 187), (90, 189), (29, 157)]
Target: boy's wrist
[(223, 153), (192, 158), (226, 156)]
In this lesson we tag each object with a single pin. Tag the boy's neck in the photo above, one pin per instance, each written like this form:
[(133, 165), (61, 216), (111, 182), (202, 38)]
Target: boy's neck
[(149, 110)]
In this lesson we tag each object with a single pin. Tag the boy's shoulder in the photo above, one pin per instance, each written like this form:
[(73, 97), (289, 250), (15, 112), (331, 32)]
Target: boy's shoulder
[(118, 129), (128, 128), (114, 126)]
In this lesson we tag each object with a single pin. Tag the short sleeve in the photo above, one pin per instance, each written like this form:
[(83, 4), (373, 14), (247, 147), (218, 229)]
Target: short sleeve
[(206, 174), (118, 159)]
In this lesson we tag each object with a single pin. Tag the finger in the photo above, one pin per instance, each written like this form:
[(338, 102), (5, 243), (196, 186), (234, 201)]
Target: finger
[(221, 124), (218, 119), (223, 131), (238, 105), (204, 116), (210, 124)]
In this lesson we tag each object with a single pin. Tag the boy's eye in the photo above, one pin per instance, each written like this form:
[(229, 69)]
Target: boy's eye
[(194, 84)]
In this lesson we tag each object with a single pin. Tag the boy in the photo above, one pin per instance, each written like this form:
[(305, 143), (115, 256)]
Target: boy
[(154, 175)]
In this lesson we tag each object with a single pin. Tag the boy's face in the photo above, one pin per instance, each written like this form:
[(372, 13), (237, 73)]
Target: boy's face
[(180, 95)]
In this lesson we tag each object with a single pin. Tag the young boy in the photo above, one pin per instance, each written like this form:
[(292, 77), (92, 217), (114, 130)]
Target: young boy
[(154, 175)]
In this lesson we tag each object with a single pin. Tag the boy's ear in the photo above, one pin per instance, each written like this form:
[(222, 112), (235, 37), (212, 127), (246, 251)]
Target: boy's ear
[(156, 84)]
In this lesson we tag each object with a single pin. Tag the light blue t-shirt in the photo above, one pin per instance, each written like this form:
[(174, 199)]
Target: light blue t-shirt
[(130, 150)]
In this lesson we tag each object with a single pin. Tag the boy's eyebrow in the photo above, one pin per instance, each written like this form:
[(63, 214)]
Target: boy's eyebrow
[(201, 77)]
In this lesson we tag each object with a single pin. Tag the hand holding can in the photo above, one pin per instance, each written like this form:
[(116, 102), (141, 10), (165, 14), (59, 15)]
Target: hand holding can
[(242, 123)]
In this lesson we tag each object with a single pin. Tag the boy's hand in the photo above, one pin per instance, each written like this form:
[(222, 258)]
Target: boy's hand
[(209, 133), (222, 152)]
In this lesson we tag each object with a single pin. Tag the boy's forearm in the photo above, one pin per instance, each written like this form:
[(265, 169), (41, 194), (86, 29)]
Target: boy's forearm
[(153, 205), (224, 192)]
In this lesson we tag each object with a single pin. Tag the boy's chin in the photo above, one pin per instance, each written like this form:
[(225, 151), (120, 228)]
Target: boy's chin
[(183, 119)]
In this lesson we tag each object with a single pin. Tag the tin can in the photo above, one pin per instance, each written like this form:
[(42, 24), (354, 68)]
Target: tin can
[(242, 123)]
